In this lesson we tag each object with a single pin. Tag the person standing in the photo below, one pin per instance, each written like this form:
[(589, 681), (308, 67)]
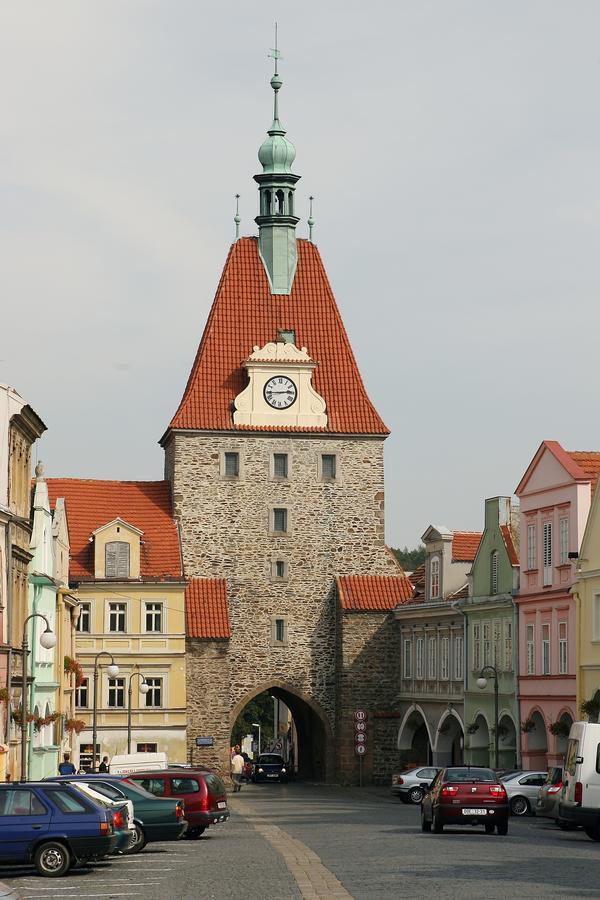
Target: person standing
[(237, 769), (103, 767), (66, 767)]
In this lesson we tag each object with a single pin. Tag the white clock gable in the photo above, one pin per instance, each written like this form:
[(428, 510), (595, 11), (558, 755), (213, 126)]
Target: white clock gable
[(279, 390)]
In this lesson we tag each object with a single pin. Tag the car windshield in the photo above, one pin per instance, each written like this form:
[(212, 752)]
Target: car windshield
[(554, 775), (271, 759), (469, 776), (107, 790)]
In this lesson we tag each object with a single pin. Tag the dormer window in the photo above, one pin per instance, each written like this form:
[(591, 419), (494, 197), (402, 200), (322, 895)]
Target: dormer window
[(434, 572), (116, 559)]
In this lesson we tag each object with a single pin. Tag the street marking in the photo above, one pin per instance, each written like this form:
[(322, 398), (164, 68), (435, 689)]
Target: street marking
[(314, 880)]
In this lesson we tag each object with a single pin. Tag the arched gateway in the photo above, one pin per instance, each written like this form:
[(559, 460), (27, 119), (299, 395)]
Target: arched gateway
[(275, 459)]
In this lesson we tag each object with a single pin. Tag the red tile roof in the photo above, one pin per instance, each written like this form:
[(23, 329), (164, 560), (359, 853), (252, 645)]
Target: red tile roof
[(589, 462), (460, 594), (464, 545), (245, 314), (144, 504), (373, 592), (510, 545), (206, 609)]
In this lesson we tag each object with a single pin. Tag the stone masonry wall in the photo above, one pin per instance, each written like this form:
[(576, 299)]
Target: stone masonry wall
[(208, 702), (334, 529), (368, 655)]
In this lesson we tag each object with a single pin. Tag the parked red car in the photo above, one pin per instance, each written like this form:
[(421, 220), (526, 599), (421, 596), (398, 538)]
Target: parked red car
[(202, 791), (465, 795)]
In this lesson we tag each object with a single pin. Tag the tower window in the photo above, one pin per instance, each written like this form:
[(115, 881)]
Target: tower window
[(279, 633), (267, 196), (280, 202), (232, 465), (279, 568), (328, 467), (280, 465), (280, 520), (291, 203)]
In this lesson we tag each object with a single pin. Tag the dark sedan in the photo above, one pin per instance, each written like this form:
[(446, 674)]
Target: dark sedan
[(270, 767)]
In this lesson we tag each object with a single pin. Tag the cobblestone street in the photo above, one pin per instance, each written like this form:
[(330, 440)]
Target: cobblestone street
[(315, 841)]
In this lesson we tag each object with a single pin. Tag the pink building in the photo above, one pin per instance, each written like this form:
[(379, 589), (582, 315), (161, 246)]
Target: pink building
[(555, 495)]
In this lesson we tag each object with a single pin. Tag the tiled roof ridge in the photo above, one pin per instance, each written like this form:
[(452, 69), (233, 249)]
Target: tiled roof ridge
[(56, 478), (372, 592), (207, 609)]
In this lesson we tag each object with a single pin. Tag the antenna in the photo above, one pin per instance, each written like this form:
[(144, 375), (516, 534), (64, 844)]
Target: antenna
[(274, 53)]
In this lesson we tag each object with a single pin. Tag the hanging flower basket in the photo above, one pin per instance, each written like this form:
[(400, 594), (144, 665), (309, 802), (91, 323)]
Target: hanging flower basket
[(527, 726), (4, 696), (73, 667), (560, 728), (16, 716), (75, 725), (40, 722), (591, 708), (472, 727)]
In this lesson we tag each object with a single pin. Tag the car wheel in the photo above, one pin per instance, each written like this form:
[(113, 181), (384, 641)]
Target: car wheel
[(502, 827), (415, 795), (519, 806), (593, 832), (437, 825), (489, 827), (193, 834), (52, 859), (425, 825), (137, 842)]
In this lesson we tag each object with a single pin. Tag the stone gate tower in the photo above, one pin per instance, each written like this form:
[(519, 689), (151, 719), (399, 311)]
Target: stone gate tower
[(275, 457)]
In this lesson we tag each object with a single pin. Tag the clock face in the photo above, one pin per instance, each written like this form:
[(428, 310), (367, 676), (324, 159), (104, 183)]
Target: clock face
[(280, 392)]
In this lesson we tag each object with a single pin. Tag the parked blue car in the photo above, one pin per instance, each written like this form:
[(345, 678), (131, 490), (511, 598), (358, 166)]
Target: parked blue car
[(52, 826)]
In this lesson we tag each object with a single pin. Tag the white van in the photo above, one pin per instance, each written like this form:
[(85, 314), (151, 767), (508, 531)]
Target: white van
[(138, 762), (580, 798)]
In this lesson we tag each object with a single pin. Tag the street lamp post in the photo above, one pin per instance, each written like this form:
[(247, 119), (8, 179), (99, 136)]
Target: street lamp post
[(48, 641), (113, 671), (144, 687), (482, 684), (257, 725)]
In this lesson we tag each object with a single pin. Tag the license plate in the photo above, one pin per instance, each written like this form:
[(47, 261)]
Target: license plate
[(474, 812), (273, 776), (222, 804)]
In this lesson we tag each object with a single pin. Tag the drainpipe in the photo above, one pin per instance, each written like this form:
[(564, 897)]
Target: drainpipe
[(578, 679)]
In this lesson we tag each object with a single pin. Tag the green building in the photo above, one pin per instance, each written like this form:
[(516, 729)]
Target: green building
[(491, 641)]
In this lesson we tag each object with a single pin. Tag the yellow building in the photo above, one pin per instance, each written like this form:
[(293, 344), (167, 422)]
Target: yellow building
[(586, 591), (126, 571)]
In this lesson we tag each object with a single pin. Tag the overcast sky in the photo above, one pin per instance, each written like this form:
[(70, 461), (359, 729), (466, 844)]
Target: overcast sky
[(452, 146)]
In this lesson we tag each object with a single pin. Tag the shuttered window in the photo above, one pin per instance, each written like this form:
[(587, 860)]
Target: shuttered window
[(444, 658), (531, 548), (564, 541), (494, 568), (546, 649), (116, 560), (407, 658), (419, 657), (562, 648), (531, 649), (547, 534), (487, 644), (476, 647), (508, 647), (458, 657), (497, 634), (431, 657)]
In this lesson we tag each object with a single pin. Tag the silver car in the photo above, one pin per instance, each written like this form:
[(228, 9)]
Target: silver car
[(412, 784), (522, 789)]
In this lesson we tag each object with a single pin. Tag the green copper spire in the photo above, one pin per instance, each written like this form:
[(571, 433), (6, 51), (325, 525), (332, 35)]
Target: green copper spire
[(277, 183)]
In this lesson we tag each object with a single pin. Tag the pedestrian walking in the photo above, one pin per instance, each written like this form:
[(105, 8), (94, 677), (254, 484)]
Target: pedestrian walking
[(66, 767), (237, 768), (104, 767)]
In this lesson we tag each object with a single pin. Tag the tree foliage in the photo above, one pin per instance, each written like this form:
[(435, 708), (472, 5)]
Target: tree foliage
[(410, 559), (260, 709)]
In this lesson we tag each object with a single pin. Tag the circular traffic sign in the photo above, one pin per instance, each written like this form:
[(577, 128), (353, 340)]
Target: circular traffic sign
[(360, 726), (361, 738), (360, 749), (360, 715)]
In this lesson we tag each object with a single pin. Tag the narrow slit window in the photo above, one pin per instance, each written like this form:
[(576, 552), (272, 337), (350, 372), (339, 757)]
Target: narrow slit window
[(328, 466), (279, 630), (280, 518), (279, 568), (232, 465), (280, 465)]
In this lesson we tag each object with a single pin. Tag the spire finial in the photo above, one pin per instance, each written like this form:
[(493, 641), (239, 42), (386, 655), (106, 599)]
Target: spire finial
[(237, 218), (276, 82), (311, 221)]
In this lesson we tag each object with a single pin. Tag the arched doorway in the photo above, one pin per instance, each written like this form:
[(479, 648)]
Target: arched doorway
[(450, 741), (311, 750), (479, 742), (537, 741), (414, 740), (507, 743)]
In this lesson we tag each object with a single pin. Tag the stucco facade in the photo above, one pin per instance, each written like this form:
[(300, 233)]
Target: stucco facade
[(586, 593), (555, 496), (490, 640)]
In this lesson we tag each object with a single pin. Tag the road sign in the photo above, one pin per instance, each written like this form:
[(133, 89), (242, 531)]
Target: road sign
[(360, 726), (360, 738), (204, 742), (360, 715), (361, 749)]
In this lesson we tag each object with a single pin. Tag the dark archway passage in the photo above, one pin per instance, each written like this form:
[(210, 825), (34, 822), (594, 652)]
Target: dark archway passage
[(313, 750)]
